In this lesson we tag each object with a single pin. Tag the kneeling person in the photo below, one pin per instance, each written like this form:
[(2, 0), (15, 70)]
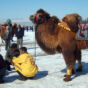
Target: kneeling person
[(11, 52), (25, 65)]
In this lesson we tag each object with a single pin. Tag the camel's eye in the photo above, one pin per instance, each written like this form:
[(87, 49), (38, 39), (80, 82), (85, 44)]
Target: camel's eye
[(39, 15)]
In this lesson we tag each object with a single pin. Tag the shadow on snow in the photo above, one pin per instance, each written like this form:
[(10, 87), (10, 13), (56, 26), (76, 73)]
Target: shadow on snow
[(84, 70)]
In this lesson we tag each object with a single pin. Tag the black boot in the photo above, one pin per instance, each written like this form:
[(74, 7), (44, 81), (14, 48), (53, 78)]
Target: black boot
[(8, 66), (23, 78), (1, 80)]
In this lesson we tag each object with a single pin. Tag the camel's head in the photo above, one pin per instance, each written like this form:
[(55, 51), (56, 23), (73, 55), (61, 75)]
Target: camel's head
[(39, 17)]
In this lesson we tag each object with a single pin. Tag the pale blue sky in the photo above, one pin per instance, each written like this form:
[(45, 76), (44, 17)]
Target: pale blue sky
[(24, 8)]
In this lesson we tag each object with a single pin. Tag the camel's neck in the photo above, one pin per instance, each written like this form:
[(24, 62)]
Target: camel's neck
[(47, 41)]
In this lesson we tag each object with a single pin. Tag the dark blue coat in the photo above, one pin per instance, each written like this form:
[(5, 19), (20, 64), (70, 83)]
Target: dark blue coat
[(19, 33)]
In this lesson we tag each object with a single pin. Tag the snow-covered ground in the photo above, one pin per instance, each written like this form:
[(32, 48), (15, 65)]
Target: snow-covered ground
[(51, 69)]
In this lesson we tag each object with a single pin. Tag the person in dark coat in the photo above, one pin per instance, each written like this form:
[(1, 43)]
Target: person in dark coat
[(19, 35), (11, 52), (8, 39), (2, 69)]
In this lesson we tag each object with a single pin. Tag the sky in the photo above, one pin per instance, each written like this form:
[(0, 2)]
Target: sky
[(15, 9)]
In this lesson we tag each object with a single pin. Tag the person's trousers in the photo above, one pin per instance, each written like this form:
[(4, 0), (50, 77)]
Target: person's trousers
[(20, 42), (2, 73), (7, 44)]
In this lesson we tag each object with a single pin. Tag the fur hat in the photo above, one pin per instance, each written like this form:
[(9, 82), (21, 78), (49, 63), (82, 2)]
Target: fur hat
[(14, 45)]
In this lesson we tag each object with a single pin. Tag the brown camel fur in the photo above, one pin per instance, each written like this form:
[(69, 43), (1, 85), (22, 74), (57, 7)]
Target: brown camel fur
[(53, 38), (72, 20)]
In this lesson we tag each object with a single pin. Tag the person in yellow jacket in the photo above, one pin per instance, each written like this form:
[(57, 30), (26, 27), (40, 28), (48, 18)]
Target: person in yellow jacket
[(24, 64)]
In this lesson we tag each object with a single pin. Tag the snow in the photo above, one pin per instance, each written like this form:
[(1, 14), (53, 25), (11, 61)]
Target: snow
[(51, 69)]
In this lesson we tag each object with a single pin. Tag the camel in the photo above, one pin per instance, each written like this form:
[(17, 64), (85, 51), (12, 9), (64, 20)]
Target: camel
[(54, 36)]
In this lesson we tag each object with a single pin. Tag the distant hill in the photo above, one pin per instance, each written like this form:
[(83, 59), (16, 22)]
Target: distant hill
[(24, 23), (21, 21)]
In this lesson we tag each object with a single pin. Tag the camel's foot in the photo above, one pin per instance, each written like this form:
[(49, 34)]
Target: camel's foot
[(67, 78)]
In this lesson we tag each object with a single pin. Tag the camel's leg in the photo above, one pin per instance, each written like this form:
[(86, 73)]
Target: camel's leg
[(72, 70), (68, 74), (79, 66), (70, 62), (78, 57)]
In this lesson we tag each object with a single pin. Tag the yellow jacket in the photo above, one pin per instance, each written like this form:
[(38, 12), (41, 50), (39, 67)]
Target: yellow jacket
[(25, 65)]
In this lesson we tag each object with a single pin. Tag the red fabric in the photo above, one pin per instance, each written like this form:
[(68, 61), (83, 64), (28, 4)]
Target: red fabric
[(82, 27), (36, 17)]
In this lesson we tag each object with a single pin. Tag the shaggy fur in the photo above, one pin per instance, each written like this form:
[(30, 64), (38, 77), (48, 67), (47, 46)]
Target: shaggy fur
[(53, 38)]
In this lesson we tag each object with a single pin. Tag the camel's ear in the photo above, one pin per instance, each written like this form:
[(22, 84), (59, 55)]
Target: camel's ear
[(53, 23)]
